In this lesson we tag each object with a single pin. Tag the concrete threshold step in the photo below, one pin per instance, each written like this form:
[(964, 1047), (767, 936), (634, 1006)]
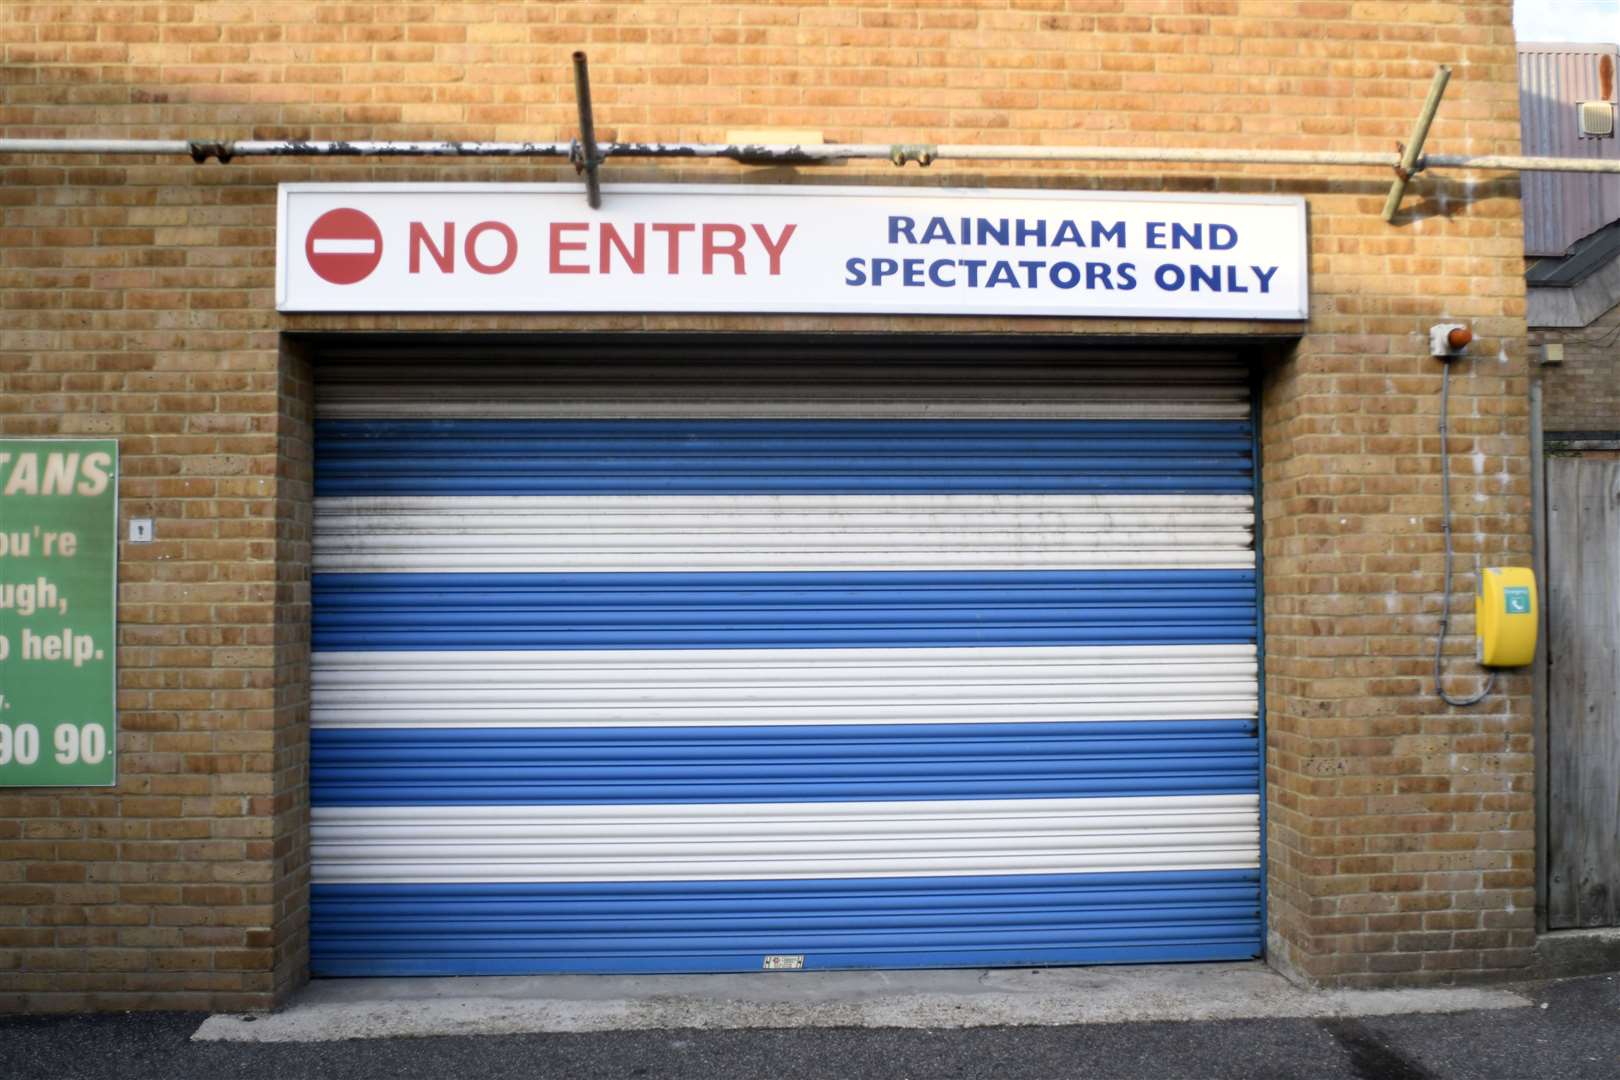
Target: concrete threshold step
[(332, 1009)]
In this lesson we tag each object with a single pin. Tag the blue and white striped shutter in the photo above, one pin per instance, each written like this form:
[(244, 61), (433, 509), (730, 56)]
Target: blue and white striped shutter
[(873, 666)]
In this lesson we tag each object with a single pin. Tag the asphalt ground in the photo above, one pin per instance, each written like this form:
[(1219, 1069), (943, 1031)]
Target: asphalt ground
[(1571, 1031)]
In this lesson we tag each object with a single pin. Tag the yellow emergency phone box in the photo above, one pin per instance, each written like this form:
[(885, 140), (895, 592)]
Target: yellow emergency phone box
[(1505, 616)]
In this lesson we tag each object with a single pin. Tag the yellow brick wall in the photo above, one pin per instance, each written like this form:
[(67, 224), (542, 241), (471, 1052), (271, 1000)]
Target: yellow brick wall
[(136, 301)]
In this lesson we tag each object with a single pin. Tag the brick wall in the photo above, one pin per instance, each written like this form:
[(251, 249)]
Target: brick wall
[(1400, 830), (136, 301), (1583, 392)]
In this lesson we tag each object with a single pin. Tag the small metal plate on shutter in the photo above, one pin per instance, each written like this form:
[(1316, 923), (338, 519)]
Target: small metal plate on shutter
[(784, 963)]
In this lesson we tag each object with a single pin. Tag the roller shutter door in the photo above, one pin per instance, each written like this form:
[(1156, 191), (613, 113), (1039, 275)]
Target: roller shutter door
[(853, 662)]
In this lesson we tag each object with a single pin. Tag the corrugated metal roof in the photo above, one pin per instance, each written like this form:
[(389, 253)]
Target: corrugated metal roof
[(1561, 208)]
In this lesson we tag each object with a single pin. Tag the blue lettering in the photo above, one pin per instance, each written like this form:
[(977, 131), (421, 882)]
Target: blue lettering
[(1002, 274), (937, 230), (1202, 276), (1065, 275), (856, 268), (1069, 233), (973, 271), (1115, 232), (1265, 274), (882, 268), (1098, 272), (912, 276), (1127, 276), (1232, 281), (934, 275), (1194, 236), (1032, 270), (901, 226), (992, 230), (1170, 277), (1035, 232), (1155, 234), (1222, 238)]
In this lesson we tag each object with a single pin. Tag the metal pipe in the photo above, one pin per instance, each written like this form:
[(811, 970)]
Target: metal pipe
[(344, 148), (1163, 154), (588, 160), (1413, 150), (803, 154), (1538, 669), (1520, 163), (94, 146)]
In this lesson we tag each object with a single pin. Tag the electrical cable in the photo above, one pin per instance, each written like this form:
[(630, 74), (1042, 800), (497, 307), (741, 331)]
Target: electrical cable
[(1445, 600)]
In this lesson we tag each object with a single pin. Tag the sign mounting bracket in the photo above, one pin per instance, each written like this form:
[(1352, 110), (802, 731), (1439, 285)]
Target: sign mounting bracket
[(584, 153), (1412, 161)]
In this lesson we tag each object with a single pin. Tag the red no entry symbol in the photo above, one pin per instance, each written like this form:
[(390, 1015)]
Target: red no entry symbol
[(343, 246)]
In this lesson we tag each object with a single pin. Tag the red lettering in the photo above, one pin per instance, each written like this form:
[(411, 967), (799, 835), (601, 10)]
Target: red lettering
[(673, 231), (445, 256), (558, 246), (471, 248), (711, 247), (775, 250), (635, 259)]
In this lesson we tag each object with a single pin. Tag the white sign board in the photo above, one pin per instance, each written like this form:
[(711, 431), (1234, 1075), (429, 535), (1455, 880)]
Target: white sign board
[(835, 250)]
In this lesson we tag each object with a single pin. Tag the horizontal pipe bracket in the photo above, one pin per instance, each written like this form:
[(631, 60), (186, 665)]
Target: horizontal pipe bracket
[(201, 151), (922, 153)]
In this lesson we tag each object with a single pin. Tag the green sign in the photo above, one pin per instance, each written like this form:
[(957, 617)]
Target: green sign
[(58, 576), (1516, 600)]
